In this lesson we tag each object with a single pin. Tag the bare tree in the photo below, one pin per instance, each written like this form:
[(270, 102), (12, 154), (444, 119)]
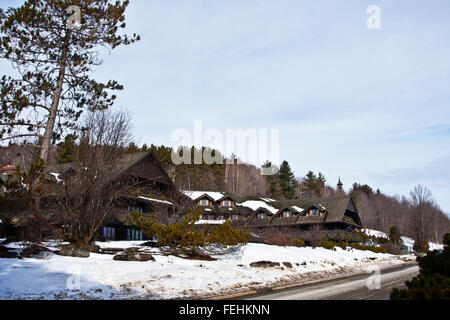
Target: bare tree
[(92, 185), (422, 202)]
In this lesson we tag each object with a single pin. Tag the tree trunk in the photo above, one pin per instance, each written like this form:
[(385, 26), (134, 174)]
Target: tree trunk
[(46, 140)]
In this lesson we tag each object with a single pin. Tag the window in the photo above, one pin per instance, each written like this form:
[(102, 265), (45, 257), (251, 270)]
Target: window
[(133, 234), (226, 203), (135, 209), (262, 215), (220, 218), (235, 217), (210, 217), (109, 233), (204, 202), (287, 214)]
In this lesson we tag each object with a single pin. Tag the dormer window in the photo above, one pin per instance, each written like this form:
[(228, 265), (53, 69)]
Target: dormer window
[(204, 202), (287, 214), (314, 212), (226, 203), (262, 215)]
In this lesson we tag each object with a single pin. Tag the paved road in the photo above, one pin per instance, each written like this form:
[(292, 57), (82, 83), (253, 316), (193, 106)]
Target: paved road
[(352, 288)]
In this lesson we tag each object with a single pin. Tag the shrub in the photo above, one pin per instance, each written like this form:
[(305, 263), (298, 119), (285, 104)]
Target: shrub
[(328, 244), (185, 238), (298, 242), (358, 246)]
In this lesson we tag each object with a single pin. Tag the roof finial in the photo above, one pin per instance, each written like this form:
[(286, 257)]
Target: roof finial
[(340, 184)]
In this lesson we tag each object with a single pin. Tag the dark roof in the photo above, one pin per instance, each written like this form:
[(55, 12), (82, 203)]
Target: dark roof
[(335, 208), (153, 172), (227, 196), (204, 195), (290, 208)]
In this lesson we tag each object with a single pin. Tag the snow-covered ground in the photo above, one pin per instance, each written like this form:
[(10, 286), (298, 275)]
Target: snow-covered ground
[(100, 277)]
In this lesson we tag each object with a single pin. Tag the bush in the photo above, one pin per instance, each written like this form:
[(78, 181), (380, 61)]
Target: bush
[(328, 244), (185, 238), (358, 246), (298, 242)]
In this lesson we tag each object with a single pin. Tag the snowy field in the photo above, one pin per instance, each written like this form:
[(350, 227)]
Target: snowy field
[(100, 277)]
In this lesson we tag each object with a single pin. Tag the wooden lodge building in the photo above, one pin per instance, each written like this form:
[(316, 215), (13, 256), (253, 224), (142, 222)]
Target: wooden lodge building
[(158, 195), (334, 213)]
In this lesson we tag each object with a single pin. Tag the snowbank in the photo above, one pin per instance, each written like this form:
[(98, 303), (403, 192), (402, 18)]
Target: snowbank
[(100, 277)]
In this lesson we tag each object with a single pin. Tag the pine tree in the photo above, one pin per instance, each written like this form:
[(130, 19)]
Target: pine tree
[(287, 180), (394, 236), (273, 185), (67, 149), (54, 45), (309, 184)]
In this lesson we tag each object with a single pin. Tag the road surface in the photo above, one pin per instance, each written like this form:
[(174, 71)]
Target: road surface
[(351, 288)]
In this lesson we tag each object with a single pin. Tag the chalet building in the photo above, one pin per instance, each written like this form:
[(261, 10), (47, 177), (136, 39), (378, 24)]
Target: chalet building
[(336, 213)]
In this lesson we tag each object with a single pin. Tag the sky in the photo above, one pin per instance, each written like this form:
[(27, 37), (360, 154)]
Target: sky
[(366, 105)]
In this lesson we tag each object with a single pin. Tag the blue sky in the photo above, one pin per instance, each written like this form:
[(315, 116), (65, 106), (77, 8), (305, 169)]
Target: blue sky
[(370, 106)]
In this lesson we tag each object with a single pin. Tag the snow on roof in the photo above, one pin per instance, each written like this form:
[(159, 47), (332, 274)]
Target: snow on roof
[(196, 194), (155, 200), (267, 200), (298, 208), (210, 222), (255, 204)]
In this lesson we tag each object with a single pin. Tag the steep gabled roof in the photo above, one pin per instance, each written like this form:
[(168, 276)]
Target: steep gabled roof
[(265, 210), (150, 168), (205, 195), (227, 196)]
